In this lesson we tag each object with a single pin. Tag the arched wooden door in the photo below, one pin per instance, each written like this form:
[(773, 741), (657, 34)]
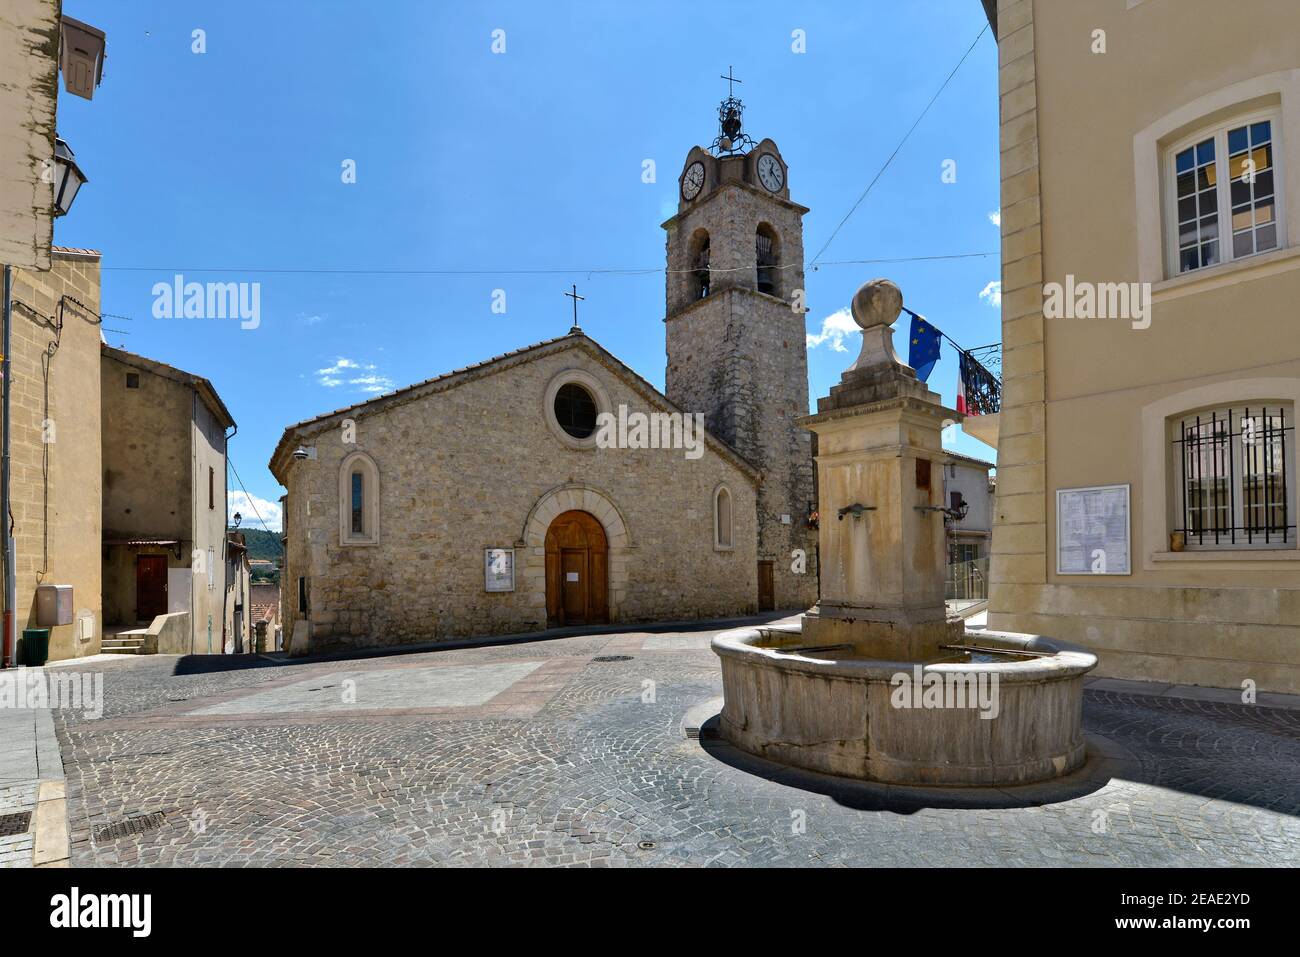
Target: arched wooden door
[(577, 571)]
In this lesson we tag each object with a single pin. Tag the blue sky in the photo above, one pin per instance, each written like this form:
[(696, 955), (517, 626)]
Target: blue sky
[(227, 166)]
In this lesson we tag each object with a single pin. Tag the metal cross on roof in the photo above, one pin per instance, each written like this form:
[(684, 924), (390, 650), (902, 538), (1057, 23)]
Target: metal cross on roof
[(576, 298), (730, 80)]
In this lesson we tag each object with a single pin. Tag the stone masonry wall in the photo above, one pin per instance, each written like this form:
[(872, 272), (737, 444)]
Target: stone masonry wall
[(740, 357), (462, 469)]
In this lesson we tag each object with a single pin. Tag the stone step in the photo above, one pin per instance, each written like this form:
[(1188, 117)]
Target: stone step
[(120, 645)]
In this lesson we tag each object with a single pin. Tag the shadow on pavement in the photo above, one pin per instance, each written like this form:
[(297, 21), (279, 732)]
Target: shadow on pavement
[(207, 664)]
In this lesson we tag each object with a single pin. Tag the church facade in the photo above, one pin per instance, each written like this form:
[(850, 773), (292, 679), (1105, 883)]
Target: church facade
[(526, 492)]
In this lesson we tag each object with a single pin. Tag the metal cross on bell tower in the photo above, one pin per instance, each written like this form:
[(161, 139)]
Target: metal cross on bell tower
[(576, 330), (730, 80), (731, 139)]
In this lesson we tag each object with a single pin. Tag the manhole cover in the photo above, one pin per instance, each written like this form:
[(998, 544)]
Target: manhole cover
[(612, 658), (646, 845), (132, 825), (11, 824)]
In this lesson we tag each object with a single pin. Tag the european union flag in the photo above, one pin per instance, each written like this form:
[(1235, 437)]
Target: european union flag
[(923, 349)]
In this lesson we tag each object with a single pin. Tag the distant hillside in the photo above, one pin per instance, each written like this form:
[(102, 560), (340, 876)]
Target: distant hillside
[(261, 543)]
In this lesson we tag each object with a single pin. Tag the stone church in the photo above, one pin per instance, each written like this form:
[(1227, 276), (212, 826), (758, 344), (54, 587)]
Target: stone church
[(490, 500)]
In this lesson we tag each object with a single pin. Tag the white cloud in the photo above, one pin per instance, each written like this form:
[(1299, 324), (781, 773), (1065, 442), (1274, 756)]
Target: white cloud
[(995, 217), (251, 507), (361, 376), (992, 294), (835, 329), (372, 383), (307, 320)]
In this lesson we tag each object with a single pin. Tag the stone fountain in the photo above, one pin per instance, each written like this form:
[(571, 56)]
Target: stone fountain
[(876, 682)]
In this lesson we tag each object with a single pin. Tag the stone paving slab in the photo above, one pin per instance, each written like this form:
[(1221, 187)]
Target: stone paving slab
[(30, 761), (456, 687)]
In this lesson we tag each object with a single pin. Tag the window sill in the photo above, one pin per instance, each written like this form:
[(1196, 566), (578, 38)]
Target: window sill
[(1202, 280), (1230, 555), (358, 543)]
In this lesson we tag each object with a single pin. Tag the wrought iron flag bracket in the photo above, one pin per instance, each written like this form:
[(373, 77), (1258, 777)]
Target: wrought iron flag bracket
[(855, 510)]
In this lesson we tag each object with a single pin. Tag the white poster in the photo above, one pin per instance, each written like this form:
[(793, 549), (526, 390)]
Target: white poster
[(1092, 530), (499, 569)]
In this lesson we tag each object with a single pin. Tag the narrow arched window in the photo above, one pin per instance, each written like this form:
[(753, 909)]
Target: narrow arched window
[(699, 256), (722, 520), (766, 256), (358, 500)]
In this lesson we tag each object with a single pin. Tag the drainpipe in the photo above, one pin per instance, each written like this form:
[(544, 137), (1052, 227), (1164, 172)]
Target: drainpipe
[(225, 540), (11, 579)]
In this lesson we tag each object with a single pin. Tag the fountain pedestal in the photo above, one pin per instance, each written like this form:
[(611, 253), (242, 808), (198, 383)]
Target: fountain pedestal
[(862, 686), (879, 441)]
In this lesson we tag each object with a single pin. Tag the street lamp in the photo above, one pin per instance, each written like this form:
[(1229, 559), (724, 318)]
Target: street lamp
[(68, 178), (236, 519)]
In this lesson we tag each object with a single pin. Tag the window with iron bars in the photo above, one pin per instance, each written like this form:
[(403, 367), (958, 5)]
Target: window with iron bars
[(1236, 477)]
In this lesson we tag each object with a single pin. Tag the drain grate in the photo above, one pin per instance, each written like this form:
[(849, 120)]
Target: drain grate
[(11, 824), (132, 825), (612, 658), (646, 845)]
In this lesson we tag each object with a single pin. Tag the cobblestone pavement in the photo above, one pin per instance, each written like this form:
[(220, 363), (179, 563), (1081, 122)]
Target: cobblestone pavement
[(541, 753)]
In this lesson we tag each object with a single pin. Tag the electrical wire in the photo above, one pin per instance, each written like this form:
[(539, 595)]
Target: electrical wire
[(557, 271), (906, 137), (252, 504)]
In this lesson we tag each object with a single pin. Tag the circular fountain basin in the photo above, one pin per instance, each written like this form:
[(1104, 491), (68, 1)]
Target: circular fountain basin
[(1009, 711)]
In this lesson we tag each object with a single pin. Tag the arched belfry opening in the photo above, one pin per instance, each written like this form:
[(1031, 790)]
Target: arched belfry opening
[(699, 264), (767, 256)]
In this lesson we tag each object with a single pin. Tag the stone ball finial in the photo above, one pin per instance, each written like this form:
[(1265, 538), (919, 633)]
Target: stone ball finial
[(877, 303)]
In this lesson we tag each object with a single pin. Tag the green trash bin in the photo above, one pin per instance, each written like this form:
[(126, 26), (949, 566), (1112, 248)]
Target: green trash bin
[(36, 646)]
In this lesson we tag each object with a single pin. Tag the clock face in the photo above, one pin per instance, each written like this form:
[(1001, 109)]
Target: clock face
[(693, 180), (770, 173)]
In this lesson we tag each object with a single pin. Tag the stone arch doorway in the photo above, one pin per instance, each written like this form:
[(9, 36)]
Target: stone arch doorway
[(577, 570)]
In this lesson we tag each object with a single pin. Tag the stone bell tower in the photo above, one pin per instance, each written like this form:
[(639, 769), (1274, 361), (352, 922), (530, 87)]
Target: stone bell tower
[(735, 336)]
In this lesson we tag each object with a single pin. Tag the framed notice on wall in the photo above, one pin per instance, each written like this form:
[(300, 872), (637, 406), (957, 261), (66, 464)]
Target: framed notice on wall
[(499, 569), (1092, 530)]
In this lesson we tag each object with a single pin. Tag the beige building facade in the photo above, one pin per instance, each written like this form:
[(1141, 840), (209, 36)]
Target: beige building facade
[(55, 453), (29, 67), (164, 434), (1147, 498)]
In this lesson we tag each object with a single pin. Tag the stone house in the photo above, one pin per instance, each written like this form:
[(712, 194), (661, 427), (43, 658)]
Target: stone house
[(237, 611), (164, 434), (1147, 496)]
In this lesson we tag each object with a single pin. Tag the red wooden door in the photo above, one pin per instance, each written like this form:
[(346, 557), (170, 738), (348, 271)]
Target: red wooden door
[(150, 586)]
